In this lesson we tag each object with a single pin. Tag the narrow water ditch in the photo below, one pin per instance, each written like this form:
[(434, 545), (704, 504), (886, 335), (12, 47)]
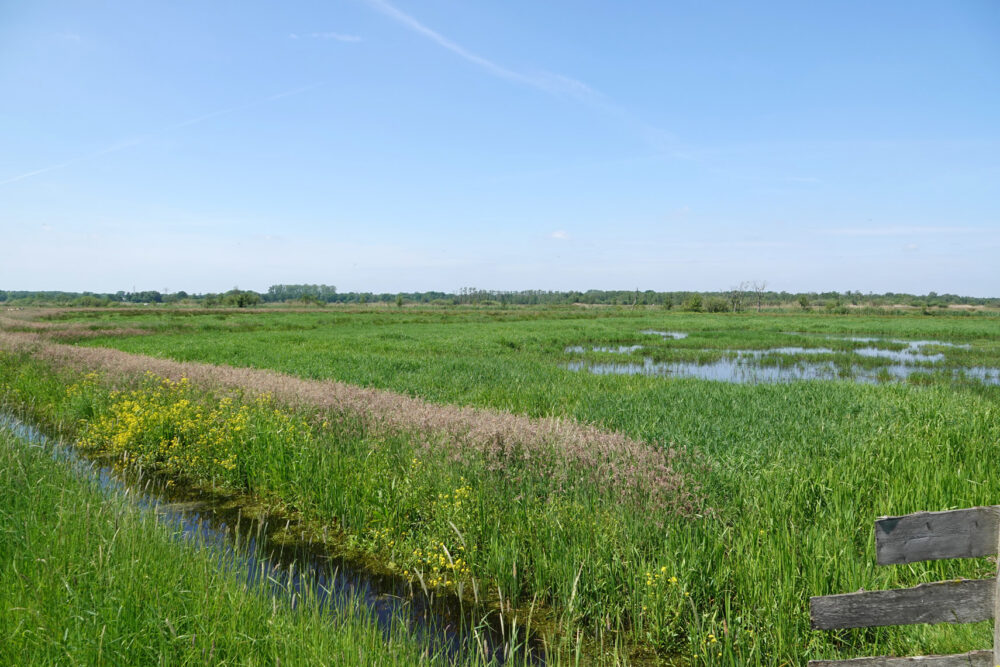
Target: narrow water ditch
[(277, 561)]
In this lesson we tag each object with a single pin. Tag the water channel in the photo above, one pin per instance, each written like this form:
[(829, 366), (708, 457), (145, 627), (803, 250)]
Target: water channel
[(275, 561)]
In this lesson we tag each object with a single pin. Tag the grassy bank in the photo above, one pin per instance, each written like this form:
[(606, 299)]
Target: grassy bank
[(793, 474), (511, 531), (87, 578)]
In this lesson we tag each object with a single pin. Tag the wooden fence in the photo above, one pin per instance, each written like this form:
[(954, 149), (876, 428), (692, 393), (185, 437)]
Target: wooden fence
[(967, 533)]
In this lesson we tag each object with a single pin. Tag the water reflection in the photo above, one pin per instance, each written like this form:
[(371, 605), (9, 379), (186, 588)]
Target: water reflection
[(744, 369), (912, 351), (676, 335), (767, 366), (621, 349)]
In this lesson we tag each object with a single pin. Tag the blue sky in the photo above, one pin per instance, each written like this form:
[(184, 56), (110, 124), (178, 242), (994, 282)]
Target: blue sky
[(399, 146)]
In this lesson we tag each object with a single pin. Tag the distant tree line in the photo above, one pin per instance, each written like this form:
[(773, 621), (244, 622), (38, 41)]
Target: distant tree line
[(748, 295)]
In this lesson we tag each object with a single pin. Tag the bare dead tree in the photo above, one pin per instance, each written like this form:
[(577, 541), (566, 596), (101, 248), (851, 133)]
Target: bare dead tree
[(737, 295), (759, 288)]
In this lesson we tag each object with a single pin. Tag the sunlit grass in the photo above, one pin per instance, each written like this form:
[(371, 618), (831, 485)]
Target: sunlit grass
[(793, 475), (88, 578)]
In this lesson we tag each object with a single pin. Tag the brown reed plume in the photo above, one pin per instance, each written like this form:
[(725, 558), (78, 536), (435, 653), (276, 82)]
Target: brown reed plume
[(564, 450)]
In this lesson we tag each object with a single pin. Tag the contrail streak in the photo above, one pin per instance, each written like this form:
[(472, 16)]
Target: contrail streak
[(547, 82)]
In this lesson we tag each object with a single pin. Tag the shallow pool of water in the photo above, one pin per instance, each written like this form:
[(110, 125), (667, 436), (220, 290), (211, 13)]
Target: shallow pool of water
[(621, 349), (912, 352), (676, 335), (745, 370), (748, 367), (735, 369)]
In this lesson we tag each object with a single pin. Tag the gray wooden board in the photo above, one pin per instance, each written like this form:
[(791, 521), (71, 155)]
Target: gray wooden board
[(996, 613), (970, 659), (965, 533), (961, 601)]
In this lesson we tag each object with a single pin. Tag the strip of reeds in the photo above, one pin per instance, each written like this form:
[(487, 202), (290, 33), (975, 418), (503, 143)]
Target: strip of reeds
[(564, 448), (504, 531)]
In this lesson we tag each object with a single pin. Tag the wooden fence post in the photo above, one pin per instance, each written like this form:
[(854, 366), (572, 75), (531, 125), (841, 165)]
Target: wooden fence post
[(996, 610), (966, 533)]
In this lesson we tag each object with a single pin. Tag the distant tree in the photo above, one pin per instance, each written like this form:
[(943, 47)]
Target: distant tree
[(399, 301), (240, 298), (324, 293), (90, 301), (310, 300), (758, 288), (736, 296), (716, 304), (693, 303), (804, 302)]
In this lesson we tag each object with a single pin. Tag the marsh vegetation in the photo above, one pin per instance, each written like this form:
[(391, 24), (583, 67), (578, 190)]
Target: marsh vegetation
[(634, 517)]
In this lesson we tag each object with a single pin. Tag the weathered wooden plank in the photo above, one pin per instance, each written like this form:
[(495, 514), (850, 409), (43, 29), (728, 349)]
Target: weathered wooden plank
[(970, 659), (960, 601), (996, 612), (965, 533)]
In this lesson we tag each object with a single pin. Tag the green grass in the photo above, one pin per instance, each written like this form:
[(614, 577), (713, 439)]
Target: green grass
[(88, 578), (795, 474)]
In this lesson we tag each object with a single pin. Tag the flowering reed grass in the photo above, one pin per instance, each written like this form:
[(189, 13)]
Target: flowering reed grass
[(460, 524), (564, 450)]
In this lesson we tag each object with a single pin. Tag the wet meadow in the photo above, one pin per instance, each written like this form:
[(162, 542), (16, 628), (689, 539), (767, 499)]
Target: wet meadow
[(646, 486)]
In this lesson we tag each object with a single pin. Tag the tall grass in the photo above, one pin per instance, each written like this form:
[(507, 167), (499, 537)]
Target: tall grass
[(792, 475), (514, 538), (87, 578)]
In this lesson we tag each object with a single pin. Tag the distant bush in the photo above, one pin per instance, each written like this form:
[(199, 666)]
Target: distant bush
[(836, 307), (693, 303), (240, 298), (90, 301), (716, 305)]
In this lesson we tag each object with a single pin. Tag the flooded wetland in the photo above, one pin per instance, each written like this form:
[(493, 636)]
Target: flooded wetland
[(903, 360), (526, 486)]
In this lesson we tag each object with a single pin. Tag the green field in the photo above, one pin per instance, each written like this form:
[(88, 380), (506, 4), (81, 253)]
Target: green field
[(90, 578), (791, 475)]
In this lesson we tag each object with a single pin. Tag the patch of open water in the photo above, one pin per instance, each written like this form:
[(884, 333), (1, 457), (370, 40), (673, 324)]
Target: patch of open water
[(746, 367), (621, 349), (281, 565), (911, 353), (676, 335)]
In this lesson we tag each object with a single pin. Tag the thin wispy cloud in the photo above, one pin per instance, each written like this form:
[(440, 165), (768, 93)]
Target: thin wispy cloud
[(898, 230), (114, 148), (544, 81), (560, 235), (122, 145), (335, 36), (548, 82)]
